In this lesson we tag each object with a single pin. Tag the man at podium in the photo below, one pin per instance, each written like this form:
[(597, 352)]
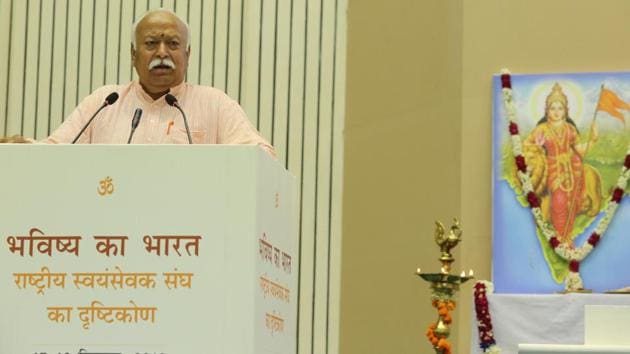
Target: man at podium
[(162, 107)]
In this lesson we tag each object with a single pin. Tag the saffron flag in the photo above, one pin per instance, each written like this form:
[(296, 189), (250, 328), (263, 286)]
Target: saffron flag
[(610, 103)]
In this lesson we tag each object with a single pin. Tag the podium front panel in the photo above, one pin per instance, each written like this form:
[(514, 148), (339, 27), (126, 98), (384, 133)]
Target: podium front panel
[(146, 249)]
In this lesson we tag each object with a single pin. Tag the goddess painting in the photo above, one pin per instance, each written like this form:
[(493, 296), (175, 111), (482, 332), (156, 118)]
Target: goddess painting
[(561, 160), (565, 184)]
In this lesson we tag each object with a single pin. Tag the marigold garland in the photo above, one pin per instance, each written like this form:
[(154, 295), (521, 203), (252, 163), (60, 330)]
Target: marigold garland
[(573, 255), (441, 343)]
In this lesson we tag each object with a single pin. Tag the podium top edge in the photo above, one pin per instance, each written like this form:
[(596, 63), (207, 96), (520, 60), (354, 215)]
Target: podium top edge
[(246, 149)]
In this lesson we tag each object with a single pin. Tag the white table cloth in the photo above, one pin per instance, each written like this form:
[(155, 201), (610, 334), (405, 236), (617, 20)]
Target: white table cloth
[(540, 319)]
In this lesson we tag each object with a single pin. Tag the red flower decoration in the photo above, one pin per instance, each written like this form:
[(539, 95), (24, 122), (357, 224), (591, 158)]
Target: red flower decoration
[(484, 325), (513, 128), (626, 163), (480, 286), (594, 239), (520, 163), (574, 266), (617, 194), (533, 200), (554, 242), (506, 81)]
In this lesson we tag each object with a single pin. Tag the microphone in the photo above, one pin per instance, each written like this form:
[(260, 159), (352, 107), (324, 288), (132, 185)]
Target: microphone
[(109, 100), (134, 123), (172, 101)]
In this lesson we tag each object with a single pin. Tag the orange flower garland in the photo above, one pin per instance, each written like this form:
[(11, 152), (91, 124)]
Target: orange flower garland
[(440, 343)]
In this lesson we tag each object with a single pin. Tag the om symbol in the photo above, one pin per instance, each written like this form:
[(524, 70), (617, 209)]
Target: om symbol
[(106, 187)]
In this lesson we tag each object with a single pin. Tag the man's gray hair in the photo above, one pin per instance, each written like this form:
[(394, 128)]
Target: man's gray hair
[(135, 26)]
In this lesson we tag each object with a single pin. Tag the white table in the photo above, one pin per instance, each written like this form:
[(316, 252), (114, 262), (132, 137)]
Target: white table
[(570, 349), (541, 319)]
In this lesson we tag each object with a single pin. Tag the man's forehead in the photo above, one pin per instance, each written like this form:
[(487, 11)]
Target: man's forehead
[(160, 33), (161, 24)]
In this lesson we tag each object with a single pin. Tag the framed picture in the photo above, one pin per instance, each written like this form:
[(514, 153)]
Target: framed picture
[(571, 131)]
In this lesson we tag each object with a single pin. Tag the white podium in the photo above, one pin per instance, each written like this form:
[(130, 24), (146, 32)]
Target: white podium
[(171, 249)]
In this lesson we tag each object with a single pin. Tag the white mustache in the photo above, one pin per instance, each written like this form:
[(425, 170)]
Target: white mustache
[(157, 61)]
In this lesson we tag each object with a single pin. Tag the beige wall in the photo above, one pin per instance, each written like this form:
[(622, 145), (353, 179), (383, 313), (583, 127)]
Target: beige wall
[(418, 145), (401, 166)]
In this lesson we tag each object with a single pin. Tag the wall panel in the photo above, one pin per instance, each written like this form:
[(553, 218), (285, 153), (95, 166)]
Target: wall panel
[(46, 34), (71, 57), (248, 92), (283, 60), (57, 66), (17, 58), (282, 35), (112, 41), (31, 54), (335, 175), (6, 16)]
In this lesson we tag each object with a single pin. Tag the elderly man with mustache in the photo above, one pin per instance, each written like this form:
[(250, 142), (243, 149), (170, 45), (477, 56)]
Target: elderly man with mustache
[(160, 52)]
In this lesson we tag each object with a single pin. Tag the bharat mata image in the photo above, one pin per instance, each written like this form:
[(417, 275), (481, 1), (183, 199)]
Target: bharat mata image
[(574, 140)]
